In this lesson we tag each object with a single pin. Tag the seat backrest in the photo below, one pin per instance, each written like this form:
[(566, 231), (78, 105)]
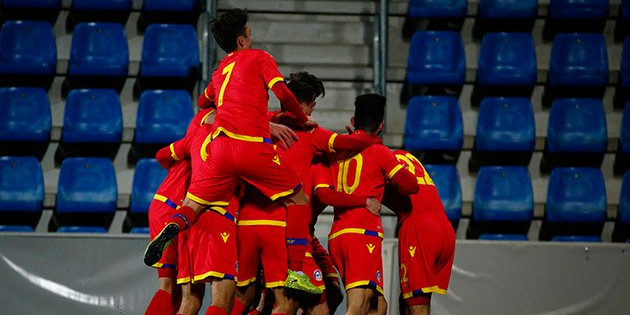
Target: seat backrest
[(172, 5), (576, 238), (81, 229), (105, 5), (576, 194), (16, 228), (25, 114), (624, 70), (577, 125), (32, 4), (21, 184), (578, 59), (99, 49), (503, 193), (139, 230), (434, 123), (436, 57), (503, 237), (92, 115), (624, 135), (147, 177), (624, 199), (508, 9), (438, 8), (625, 9), (163, 116), (505, 124), (446, 179), (87, 185), (578, 9), (169, 50), (507, 59), (27, 47)]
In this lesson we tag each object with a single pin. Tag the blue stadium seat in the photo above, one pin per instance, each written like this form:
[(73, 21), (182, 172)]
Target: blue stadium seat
[(577, 238), (92, 124), (47, 10), (169, 11), (21, 191), (503, 237), (446, 179), (434, 124), (171, 5), (576, 203), (576, 134), (622, 225), (139, 230), (622, 27), (26, 121), (437, 8), (622, 158), (98, 11), (622, 93), (32, 4), (503, 201), (506, 132), (575, 16), (170, 55), (578, 67), (505, 16), (16, 228), (82, 229), (507, 66), (28, 53), (147, 177), (436, 58), (87, 193)]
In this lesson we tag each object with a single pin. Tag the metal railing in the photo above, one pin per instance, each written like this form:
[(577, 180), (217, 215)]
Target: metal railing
[(208, 50), (380, 47)]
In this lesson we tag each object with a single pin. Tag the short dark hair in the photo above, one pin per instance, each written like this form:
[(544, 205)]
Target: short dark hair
[(228, 27), (305, 86), (369, 111)]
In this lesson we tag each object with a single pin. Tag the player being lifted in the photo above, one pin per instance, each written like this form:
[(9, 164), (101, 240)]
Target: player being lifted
[(356, 234)]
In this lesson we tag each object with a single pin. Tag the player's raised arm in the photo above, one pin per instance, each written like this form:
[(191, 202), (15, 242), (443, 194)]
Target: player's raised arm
[(206, 99)]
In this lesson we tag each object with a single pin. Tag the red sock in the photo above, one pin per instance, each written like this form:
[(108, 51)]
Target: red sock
[(160, 304), (215, 310), (183, 217), (279, 313), (298, 220), (238, 308), (296, 256), (254, 312)]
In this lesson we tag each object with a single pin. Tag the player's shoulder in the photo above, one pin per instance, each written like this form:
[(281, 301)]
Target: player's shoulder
[(259, 53)]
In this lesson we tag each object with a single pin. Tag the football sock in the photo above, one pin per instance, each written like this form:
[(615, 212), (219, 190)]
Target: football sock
[(160, 304)]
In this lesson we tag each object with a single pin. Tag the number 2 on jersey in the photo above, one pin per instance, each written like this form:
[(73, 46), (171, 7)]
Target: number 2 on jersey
[(227, 70), (408, 158)]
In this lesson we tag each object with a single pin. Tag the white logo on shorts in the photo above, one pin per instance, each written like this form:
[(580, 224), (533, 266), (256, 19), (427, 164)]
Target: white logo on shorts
[(317, 274), (378, 276)]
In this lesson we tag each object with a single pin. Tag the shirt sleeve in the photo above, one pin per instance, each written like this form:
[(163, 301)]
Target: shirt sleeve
[(323, 139), (270, 73), (206, 99)]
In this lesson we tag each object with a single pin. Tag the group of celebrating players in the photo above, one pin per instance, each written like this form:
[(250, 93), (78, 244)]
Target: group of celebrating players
[(245, 186)]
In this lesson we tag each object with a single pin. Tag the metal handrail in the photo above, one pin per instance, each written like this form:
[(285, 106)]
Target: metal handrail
[(208, 45), (380, 47)]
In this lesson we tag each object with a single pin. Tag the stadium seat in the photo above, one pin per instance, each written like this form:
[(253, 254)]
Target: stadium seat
[(82, 229), (46, 10), (139, 230), (575, 16), (87, 193), (433, 130), (147, 177), (446, 179), (116, 11), (622, 158), (503, 237), (434, 15), (576, 238), (169, 11), (622, 93), (163, 117), (503, 201), (92, 124), (576, 203), (622, 27), (506, 132), (578, 67), (576, 134), (16, 228), (21, 191), (507, 66), (28, 54), (622, 225), (99, 56), (436, 61), (26, 121), (505, 16), (170, 57)]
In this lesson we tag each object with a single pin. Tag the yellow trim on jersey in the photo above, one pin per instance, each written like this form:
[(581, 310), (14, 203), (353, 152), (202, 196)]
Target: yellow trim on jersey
[(308, 254), (157, 265), (205, 202), (433, 289), (205, 116), (236, 136), (245, 282), (332, 275), (173, 154), (215, 274), (163, 199), (282, 194), (351, 231), (322, 186), (202, 151), (394, 171), (274, 284), (222, 212), (261, 222), (362, 283), (183, 280), (205, 92), (274, 81), (331, 142)]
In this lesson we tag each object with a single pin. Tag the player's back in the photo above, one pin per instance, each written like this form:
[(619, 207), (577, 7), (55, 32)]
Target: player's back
[(176, 182)]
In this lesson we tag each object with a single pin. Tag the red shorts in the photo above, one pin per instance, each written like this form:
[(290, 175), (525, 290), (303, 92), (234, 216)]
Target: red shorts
[(262, 244), (320, 254), (157, 213), (255, 162), (426, 248), (358, 258), (311, 269), (208, 249)]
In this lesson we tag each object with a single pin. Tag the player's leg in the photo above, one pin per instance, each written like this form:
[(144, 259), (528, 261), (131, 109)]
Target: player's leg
[(243, 298), (378, 305), (419, 305), (223, 291), (334, 294), (192, 297), (167, 298), (249, 260), (359, 300)]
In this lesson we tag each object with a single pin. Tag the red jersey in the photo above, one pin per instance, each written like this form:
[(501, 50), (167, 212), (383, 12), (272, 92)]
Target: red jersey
[(240, 87), (364, 174), (190, 147)]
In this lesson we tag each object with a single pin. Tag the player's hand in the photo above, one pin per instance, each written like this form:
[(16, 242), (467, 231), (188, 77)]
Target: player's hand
[(310, 122), (284, 134), (209, 120), (374, 206), (349, 130)]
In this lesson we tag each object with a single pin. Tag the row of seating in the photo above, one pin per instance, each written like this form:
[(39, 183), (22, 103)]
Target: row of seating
[(503, 200), (92, 124), (99, 52), (578, 66)]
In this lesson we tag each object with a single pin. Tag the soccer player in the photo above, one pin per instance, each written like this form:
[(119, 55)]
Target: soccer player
[(356, 235), (426, 240)]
